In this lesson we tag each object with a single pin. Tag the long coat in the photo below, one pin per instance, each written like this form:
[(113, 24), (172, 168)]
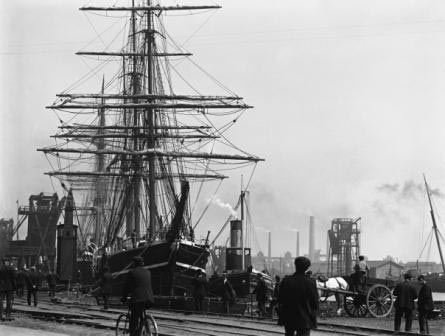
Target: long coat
[(261, 290), (138, 285), (425, 300), (105, 283), (33, 281), (298, 299), (227, 291), (405, 294), (200, 285), (7, 279)]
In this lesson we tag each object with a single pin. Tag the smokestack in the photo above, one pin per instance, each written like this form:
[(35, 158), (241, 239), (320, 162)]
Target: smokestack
[(311, 238), (269, 256), (297, 251)]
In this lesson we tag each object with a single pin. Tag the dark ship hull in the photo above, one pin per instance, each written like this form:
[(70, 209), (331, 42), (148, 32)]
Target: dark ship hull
[(437, 284), (173, 265), (243, 282)]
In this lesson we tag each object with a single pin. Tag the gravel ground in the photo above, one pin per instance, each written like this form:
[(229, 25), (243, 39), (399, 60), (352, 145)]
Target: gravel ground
[(69, 329), (437, 327)]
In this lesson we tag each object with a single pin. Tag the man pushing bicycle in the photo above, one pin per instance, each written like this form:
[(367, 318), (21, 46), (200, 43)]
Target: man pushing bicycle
[(138, 287)]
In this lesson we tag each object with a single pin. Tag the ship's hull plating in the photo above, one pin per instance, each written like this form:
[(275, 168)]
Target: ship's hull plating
[(173, 265)]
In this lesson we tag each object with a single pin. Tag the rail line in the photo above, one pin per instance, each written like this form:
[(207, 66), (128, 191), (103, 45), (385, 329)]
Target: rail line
[(176, 322)]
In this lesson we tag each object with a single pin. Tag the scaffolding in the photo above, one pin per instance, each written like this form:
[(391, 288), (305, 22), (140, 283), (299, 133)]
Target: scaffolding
[(344, 246)]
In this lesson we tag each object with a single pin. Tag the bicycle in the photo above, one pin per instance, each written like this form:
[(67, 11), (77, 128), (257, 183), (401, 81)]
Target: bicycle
[(147, 327)]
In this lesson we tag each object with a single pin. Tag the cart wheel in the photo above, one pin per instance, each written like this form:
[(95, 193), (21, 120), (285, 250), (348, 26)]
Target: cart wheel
[(379, 301), (355, 305)]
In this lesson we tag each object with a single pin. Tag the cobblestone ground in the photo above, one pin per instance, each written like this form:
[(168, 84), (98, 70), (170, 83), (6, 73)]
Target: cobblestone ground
[(65, 329), (437, 327)]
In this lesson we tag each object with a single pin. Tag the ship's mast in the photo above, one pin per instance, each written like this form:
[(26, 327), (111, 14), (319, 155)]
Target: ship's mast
[(137, 156), (151, 123), (433, 218), (100, 192)]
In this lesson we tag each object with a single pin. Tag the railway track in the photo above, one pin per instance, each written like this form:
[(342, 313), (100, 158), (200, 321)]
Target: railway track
[(173, 323)]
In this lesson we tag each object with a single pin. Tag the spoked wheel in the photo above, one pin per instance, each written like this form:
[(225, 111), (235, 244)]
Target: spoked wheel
[(149, 328), (355, 305), (122, 325), (379, 301)]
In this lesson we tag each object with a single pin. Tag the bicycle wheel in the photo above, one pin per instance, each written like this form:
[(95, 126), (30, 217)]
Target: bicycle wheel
[(122, 325), (149, 328)]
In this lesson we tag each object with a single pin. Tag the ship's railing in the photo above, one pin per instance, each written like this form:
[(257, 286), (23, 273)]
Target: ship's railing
[(41, 208)]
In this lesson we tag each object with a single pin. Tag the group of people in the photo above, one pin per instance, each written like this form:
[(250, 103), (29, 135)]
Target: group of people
[(405, 293), (14, 280)]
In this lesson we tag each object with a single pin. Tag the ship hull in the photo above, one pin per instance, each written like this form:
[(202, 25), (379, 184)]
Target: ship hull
[(243, 282), (437, 285), (173, 265)]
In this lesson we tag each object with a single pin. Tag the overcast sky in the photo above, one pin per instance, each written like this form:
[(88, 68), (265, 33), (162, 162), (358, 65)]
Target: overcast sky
[(348, 96)]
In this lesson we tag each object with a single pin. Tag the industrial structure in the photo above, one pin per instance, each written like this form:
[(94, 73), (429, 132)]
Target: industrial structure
[(344, 245), (39, 246)]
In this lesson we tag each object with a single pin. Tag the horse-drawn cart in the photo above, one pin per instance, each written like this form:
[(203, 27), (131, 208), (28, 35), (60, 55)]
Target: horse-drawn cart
[(371, 297)]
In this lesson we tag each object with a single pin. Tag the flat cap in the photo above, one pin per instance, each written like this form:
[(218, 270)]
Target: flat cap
[(302, 263)]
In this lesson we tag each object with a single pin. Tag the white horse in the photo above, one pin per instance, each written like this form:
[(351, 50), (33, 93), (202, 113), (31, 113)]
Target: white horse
[(330, 286)]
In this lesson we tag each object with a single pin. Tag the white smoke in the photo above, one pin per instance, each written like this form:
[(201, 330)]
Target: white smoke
[(221, 204)]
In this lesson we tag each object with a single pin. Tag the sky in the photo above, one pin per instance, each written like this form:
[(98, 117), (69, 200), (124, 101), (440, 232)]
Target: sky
[(348, 109)]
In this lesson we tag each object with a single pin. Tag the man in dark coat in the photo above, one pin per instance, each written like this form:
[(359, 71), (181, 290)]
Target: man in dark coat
[(33, 283), (21, 282), (298, 300), (228, 294), (425, 304), (138, 286), (105, 285), (276, 291), (7, 287), (405, 294), (200, 286), (51, 279), (261, 295)]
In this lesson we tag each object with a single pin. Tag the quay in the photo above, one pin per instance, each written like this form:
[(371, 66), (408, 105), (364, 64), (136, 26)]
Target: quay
[(71, 318)]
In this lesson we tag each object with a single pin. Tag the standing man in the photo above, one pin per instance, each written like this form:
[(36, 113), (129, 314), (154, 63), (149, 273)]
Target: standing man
[(425, 304), (7, 287), (405, 294), (138, 286), (298, 299), (228, 294), (51, 279), (32, 285), (261, 295), (200, 285), (105, 285), (276, 291), (21, 281)]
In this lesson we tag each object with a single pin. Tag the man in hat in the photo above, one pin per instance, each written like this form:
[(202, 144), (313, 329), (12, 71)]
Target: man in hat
[(33, 282), (138, 286), (200, 285), (405, 294), (7, 287), (51, 279), (261, 295), (228, 294), (276, 291), (425, 304), (105, 285), (298, 300)]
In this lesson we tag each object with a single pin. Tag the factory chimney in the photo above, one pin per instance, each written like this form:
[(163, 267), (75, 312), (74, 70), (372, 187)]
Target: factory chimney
[(297, 251), (311, 238), (269, 256)]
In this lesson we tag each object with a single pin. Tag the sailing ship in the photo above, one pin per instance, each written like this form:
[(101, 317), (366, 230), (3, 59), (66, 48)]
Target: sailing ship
[(132, 153), (437, 281)]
